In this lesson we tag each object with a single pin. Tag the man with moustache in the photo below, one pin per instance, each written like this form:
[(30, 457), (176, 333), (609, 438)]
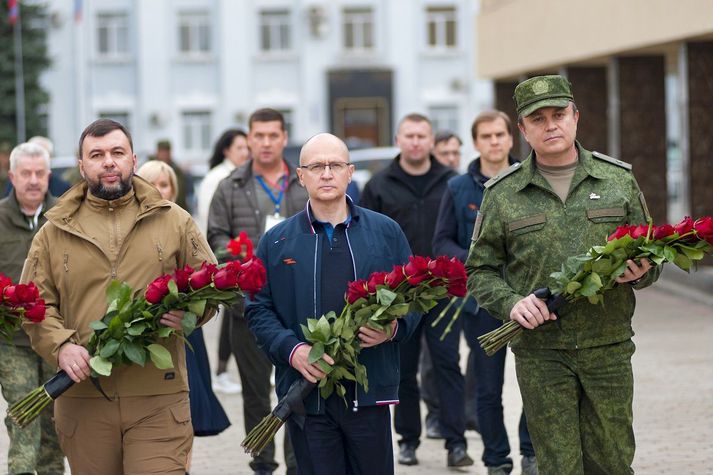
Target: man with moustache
[(255, 197), (493, 139), (409, 191), (34, 448), (310, 258), (113, 226), (575, 376)]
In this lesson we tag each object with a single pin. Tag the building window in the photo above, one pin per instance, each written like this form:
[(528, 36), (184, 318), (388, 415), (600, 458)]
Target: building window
[(358, 29), (196, 131), (194, 33), (120, 117), (441, 27), (444, 118), (275, 30), (112, 34)]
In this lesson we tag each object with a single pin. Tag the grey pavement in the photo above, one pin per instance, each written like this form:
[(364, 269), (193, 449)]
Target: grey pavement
[(673, 402)]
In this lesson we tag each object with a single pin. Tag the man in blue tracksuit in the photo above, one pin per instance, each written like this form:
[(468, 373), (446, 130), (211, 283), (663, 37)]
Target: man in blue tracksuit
[(310, 258), (492, 137)]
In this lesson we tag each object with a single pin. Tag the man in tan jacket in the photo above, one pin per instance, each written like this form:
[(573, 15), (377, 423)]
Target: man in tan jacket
[(113, 225)]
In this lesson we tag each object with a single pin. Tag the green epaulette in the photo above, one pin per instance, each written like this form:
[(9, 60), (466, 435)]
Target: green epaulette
[(510, 170), (612, 160)]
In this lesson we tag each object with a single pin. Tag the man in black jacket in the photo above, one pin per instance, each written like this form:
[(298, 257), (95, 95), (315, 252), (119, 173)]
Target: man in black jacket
[(409, 191)]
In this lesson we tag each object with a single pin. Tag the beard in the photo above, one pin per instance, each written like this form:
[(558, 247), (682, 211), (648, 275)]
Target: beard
[(110, 193)]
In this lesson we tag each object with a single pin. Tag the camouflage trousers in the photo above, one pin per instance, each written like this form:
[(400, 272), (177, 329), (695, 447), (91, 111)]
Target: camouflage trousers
[(35, 447), (578, 405)]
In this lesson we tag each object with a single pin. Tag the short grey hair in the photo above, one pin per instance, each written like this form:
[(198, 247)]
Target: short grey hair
[(28, 150)]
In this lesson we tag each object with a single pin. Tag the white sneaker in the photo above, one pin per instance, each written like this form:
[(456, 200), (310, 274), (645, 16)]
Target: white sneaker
[(223, 384)]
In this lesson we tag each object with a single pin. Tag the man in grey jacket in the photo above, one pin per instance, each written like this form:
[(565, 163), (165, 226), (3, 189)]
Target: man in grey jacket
[(253, 198)]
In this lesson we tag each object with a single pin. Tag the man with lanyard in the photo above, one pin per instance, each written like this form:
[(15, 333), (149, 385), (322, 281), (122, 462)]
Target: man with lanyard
[(253, 198)]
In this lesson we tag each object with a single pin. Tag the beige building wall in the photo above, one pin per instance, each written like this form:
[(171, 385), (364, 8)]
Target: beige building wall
[(519, 36)]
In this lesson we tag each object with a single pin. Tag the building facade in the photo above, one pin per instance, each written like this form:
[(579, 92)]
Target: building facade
[(185, 70)]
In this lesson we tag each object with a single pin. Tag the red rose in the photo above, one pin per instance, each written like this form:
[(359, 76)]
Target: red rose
[(252, 276), (619, 232), (439, 266), (704, 228), (5, 281), (456, 270), (457, 288), (639, 231), (35, 312), (684, 227), (158, 289), (225, 278), (242, 246), (181, 276), (356, 290), (395, 277), (19, 294), (417, 269), (376, 278), (663, 231), (203, 276)]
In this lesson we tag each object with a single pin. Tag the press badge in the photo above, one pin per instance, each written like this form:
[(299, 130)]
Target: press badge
[(272, 219)]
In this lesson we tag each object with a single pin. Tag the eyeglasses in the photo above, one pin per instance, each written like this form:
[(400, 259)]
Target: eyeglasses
[(318, 168)]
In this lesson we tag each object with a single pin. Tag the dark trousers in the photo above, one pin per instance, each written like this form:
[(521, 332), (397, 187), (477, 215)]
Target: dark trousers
[(223, 343), (344, 441), (489, 392), (445, 357), (255, 370)]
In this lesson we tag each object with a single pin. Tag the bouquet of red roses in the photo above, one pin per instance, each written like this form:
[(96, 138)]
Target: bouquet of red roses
[(592, 274), (18, 301), (130, 332), (376, 302)]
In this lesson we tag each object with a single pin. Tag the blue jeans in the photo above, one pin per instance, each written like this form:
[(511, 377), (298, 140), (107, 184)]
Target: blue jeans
[(490, 371)]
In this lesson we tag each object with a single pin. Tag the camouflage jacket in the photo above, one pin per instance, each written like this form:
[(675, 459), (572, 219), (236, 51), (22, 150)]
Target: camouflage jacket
[(524, 233)]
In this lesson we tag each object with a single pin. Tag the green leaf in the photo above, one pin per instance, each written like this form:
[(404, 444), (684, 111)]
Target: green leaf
[(324, 366), (197, 307), (682, 261), (312, 324), (165, 332), (322, 331), (100, 365), (572, 287), (188, 323), (117, 293), (399, 309), (135, 353), (160, 356), (590, 285), (172, 288), (97, 325), (602, 266), (692, 253), (109, 348), (385, 296), (136, 329), (316, 352)]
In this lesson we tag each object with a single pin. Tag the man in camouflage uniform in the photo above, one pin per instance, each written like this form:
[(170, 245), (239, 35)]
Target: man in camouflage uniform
[(575, 375), (35, 448)]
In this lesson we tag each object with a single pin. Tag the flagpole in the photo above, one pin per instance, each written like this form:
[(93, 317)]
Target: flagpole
[(19, 84)]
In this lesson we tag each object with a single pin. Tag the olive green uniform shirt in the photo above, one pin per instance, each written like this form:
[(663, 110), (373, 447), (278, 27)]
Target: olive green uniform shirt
[(524, 232)]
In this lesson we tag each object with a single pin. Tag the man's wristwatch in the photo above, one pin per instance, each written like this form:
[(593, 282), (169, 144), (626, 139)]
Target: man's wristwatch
[(635, 281)]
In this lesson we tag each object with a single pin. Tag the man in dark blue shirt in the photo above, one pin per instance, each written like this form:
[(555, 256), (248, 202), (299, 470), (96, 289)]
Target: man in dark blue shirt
[(310, 258)]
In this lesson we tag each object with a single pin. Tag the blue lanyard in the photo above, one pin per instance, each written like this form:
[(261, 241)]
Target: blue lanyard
[(275, 199)]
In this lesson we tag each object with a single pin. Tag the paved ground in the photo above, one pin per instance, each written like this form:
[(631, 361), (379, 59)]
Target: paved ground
[(673, 406)]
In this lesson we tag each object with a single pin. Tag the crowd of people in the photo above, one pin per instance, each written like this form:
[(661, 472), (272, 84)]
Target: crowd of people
[(508, 220)]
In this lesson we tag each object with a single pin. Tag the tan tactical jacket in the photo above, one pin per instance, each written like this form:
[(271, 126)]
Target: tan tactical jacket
[(72, 272)]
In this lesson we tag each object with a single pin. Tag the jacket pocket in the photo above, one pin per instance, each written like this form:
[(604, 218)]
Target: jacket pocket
[(606, 215), (527, 224), (181, 413)]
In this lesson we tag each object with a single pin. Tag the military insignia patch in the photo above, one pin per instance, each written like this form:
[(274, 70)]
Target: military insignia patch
[(540, 87)]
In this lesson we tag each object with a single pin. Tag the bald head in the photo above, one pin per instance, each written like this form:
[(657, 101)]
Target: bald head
[(324, 144)]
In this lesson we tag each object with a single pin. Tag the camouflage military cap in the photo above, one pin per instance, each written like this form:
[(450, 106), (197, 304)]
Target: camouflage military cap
[(542, 91)]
